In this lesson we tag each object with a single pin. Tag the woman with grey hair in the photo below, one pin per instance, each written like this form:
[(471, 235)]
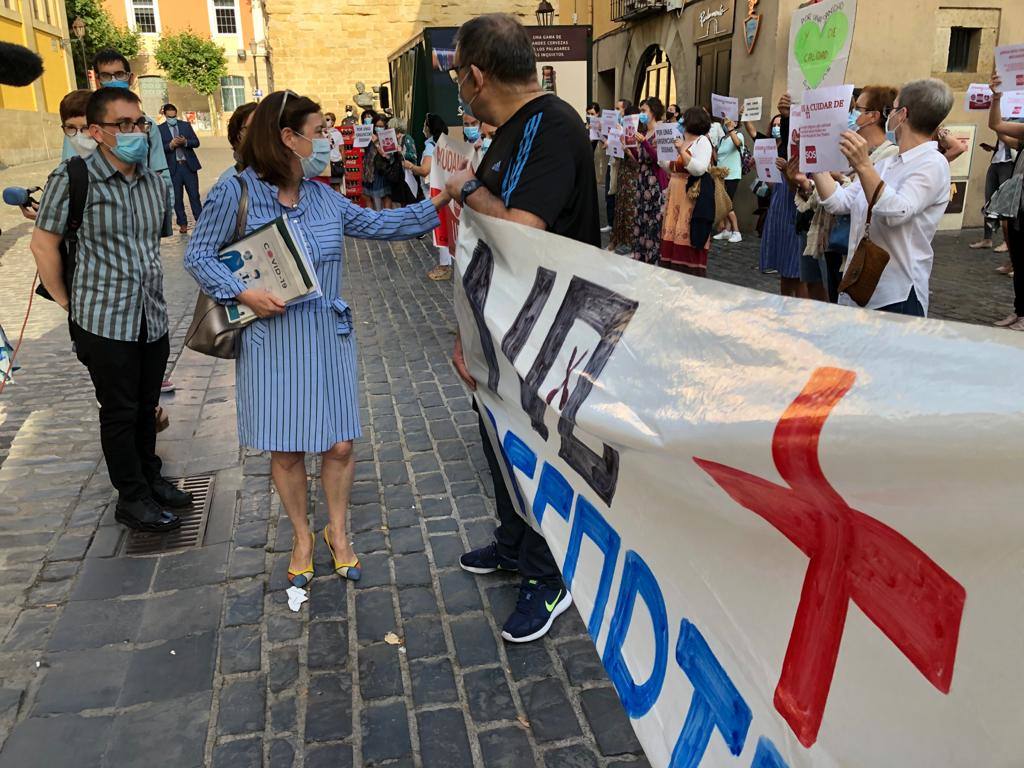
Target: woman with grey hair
[(911, 192)]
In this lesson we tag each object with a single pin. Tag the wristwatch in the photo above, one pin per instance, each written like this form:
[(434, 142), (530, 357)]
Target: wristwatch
[(469, 188)]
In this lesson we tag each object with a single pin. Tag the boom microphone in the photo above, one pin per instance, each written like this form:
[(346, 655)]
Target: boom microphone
[(19, 196), (18, 65)]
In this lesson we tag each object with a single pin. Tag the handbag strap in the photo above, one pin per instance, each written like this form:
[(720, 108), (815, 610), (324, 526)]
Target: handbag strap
[(871, 207), (243, 209)]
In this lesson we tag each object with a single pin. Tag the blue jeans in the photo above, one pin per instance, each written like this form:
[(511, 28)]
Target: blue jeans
[(910, 307)]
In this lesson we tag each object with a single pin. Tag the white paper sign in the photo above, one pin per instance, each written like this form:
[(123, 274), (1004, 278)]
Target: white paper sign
[(979, 96), (363, 134), (609, 119), (1012, 105), (629, 125), (388, 140), (824, 116), (615, 148), (595, 127), (766, 152), (820, 36), (450, 157), (752, 109), (411, 183), (725, 106), (665, 135), (1010, 67), (792, 529)]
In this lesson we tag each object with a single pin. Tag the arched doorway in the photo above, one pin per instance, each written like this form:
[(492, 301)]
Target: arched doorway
[(655, 77)]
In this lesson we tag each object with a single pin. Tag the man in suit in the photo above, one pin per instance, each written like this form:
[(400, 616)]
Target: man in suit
[(180, 142)]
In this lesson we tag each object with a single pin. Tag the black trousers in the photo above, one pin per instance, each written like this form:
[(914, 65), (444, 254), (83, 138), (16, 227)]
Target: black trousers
[(127, 377), (1015, 243), (515, 538), (998, 173)]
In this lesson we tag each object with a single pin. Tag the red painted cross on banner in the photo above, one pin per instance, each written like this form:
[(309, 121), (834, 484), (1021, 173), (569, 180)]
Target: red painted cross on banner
[(915, 603)]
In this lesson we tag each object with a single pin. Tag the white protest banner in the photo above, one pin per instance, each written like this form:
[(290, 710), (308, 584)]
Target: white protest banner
[(594, 123), (1012, 105), (824, 116), (363, 135), (388, 140), (820, 36), (792, 529), (609, 119), (766, 152), (629, 125), (665, 135), (752, 109), (615, 148), (450, 157), (725, 106), (979, 96), (1010, 67)]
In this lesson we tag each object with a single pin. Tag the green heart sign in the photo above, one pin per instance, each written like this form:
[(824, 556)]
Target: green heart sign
[(817, 47)]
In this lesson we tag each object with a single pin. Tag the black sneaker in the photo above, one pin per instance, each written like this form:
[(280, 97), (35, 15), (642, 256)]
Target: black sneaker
[(167, 495), (146, 515), (538, 607), (487, 560)]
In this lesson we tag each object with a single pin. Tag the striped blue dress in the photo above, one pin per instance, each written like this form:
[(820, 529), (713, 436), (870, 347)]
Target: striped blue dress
[(295, 375)]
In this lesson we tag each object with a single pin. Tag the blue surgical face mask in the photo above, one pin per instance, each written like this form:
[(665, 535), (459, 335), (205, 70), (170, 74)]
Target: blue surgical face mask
[(131, 148), (368, 121), (316, 162), (854, 117), (486, 144), (116, 84), (471, 132), (776, 132), (172, 120), (643, 118), (466, 106)]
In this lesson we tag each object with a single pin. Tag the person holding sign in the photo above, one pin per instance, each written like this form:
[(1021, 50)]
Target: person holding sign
[(375, 166), (297, 383), (911, 193), (730, 155), (626, 197), (780, 244), (690, 210), (433, 127), (651, 179), (1015, 228)]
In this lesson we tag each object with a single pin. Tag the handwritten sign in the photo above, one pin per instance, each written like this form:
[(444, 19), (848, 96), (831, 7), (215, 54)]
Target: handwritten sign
[(665, 135), (609, 119), (725, 106), (752, 109), (820, 37), (1010, 67), (766, 152), (363, 135), (824, 115)]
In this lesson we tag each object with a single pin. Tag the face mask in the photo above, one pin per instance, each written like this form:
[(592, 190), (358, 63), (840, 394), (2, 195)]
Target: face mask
[(368, 121), (116, 84), (82, 143), (472, 133), (486, 144), (316, 162), (854, 117), (890, 130), (466, 106), (643, 118), (131, 148), (776, 132), (172, 121)]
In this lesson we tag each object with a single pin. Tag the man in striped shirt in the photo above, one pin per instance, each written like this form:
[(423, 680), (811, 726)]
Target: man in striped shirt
[(118, 316)]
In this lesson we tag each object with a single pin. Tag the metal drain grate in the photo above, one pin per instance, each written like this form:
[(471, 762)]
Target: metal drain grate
[(193, 522)]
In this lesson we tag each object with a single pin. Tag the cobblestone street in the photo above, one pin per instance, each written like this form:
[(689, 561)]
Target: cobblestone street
[(193, 658)]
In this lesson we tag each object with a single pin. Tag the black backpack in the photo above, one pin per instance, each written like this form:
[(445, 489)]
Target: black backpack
[(78, 190)]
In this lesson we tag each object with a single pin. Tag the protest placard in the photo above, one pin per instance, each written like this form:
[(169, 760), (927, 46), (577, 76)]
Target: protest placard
[(725, 106), (615, 148), (665, 135), (363, 135), (629, 125), (979, 96), (595, 127), (820, 36), (791, 529), (752, 109), (824, 115), (1012, 105), (388, 140), (609, 119), (1010, 67), (766, 152), (450, 157)]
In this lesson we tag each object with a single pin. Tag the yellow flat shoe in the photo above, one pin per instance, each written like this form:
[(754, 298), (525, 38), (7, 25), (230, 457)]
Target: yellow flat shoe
[(350, 571), (301, 579)]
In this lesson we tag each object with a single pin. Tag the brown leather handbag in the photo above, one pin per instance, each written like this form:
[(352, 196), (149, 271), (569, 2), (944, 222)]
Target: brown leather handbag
[(867, 263), (210, 332)]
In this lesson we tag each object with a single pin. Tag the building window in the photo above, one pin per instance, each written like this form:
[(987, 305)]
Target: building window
[(144, 15), (232, 92), (964, 45), (656, 77), (41, 10), (224, 18)]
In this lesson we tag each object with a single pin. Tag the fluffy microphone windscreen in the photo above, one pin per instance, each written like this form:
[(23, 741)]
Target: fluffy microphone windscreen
[(18, 65)]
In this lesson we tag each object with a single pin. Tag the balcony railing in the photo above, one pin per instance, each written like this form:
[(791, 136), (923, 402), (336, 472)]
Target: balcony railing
[(632, 9)]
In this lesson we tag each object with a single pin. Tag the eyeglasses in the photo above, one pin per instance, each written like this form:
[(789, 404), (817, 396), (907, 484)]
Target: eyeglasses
[(280, 112), (453, 73), (106, 77), (130, 126), (70, 130)]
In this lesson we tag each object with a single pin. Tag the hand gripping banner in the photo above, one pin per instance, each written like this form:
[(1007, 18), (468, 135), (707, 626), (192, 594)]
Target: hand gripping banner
[(793, 530)]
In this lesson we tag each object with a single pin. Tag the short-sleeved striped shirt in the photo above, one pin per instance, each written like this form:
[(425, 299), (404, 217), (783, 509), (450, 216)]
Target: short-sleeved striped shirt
[(119, 275)]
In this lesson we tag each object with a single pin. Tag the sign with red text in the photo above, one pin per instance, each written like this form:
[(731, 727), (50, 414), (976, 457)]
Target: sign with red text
[(979, 97), (1010, 67), (725, 106), (766, 152), (450, 157), (792, 529), (1012, 105), (824, 116)]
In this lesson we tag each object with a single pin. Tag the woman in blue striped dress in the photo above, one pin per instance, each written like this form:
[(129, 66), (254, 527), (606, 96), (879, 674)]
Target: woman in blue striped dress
[(296, 367)]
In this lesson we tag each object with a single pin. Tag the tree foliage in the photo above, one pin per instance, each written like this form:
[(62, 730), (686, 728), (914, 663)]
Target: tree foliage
[(192, 61), (100, 33)]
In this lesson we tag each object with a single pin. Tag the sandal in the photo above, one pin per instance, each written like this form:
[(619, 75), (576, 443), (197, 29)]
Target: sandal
[(301, 579), (350, 571)]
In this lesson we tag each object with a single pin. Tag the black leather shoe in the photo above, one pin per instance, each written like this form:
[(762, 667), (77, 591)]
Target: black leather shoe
[(167, 495), (146, 515)]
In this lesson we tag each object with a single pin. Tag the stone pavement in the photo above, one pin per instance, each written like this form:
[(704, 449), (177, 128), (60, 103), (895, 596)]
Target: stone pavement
[(194, 658)]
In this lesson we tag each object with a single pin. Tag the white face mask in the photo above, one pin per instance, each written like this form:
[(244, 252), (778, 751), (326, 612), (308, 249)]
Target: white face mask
[(83, 144)]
